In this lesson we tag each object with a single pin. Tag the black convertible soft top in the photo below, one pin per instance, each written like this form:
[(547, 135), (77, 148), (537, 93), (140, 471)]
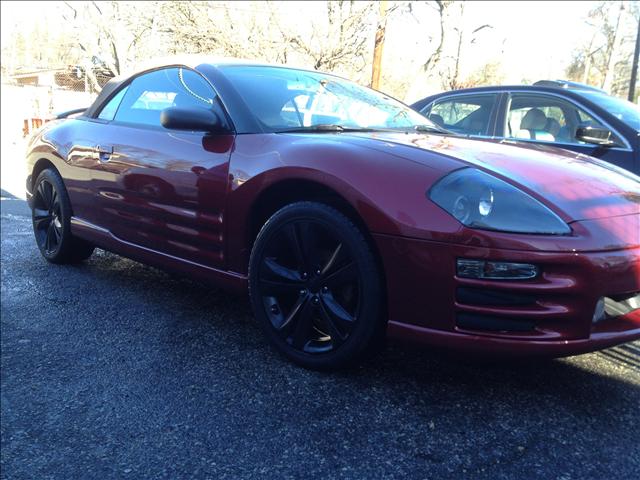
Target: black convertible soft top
[(189, 61), (242, 119)]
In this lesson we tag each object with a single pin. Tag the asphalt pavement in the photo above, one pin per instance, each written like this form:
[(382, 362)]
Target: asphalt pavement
[(113, 369)]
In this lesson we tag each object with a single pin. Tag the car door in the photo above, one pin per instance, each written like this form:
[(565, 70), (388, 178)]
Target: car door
[(465, 114), (156, 188), (552, 120)]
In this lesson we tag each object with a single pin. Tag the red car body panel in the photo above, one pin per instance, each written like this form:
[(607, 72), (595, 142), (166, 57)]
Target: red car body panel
[(565, 297), (575, 184), (183, 201)]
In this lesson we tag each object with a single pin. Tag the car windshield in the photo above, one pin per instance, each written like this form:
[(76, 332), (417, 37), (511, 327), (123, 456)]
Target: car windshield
[(285, 99), (628, 112)]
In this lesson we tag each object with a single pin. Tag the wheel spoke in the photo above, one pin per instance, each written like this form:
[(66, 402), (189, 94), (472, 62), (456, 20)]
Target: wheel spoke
[(291, 232), (274, 287), (44, 195), (48, 189), (295, 310), (346, 273), (54, 201), (332, 259), (337, 313), (274, 269), (309, 244), (58, 233), (40, 218), (303, 326), (47, 238), (337, 337)]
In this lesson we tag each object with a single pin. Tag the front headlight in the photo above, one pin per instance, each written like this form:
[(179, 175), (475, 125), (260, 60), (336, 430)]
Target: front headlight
[(479, 200)]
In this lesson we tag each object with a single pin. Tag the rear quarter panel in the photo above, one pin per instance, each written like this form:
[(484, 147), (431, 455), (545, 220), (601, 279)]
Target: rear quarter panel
[(63, 143)]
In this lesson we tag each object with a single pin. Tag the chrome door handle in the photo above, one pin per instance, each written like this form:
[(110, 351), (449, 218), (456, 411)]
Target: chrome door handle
[(104, 152)]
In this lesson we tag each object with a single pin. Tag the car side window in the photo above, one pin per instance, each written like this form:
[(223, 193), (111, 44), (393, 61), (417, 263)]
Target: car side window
[(108, 112), (467, 114), (546, 118), (152, 92)]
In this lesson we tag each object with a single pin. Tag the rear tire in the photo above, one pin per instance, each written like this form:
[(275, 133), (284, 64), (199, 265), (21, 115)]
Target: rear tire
[(51, 217), (315, 287)]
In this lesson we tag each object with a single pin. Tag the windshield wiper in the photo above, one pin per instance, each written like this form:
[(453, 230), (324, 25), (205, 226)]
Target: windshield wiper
[(325, 127), (332, 128), (431, 129)]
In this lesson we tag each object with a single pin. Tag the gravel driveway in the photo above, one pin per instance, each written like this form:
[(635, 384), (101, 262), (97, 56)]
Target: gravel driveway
[(114, 369)]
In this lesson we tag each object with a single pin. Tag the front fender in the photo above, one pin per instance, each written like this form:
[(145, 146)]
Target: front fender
[(386, 191)]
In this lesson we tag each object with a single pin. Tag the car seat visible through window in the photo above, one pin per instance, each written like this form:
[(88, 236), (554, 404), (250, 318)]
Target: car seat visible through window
[(533, 126)]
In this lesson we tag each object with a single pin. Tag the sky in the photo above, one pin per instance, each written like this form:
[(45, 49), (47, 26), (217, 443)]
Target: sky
[(531, 33), (533, 39), (536, 33)]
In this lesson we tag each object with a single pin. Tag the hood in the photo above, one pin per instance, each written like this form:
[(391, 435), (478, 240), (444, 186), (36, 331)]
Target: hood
[(578, 186)]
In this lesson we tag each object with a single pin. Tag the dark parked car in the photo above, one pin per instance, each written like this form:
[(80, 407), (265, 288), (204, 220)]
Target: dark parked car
[(564, 114), (344, 213)]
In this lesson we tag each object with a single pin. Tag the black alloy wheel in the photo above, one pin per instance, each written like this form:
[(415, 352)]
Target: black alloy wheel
[(51, 216), (314, 284), (47, 223)]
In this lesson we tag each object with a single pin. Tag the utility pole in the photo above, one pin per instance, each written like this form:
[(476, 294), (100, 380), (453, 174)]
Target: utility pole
[(634, 67), (612, 52), (379, 44)]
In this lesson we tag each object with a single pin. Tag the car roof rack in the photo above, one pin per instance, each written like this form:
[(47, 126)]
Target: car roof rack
[(567, 84)]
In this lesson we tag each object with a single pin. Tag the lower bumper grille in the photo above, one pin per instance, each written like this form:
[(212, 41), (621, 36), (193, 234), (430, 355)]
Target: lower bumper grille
[(478, 296), (472, 321)]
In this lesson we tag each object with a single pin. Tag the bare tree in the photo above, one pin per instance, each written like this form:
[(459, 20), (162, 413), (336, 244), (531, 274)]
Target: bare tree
[(124, 33), (441, 7), (212, 28), (116, 34), (613, 40), (451, 80), (607, 59), (339, 40)]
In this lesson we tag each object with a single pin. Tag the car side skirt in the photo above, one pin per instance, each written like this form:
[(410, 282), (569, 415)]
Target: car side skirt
[(102, 238)]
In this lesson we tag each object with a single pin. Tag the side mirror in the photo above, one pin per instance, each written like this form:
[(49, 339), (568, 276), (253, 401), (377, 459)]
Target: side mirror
[(595, 135), (192, 119)]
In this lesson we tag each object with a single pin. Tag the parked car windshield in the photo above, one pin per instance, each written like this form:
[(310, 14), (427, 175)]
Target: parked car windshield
[(285, 99), (628, 112)]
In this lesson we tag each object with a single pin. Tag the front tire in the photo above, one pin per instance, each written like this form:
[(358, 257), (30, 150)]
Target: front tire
[(51, 217), (315, 287)]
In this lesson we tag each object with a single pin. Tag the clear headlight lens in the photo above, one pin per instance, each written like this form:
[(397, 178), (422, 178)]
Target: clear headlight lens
[(479, 200)]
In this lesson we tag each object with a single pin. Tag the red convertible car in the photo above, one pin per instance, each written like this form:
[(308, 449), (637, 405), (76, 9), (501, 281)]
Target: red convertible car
[(345, 214)]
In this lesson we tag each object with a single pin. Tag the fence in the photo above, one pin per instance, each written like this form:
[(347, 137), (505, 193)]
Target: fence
[(27, 107), (36, 95)]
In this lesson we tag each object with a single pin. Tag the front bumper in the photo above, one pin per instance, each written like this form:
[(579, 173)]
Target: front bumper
[(551, 315)]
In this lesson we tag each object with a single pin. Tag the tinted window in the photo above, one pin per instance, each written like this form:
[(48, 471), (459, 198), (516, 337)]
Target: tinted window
[(628, 112), (467, 114), (547, 119), (283, 98), (109, 110), (151, 93)]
